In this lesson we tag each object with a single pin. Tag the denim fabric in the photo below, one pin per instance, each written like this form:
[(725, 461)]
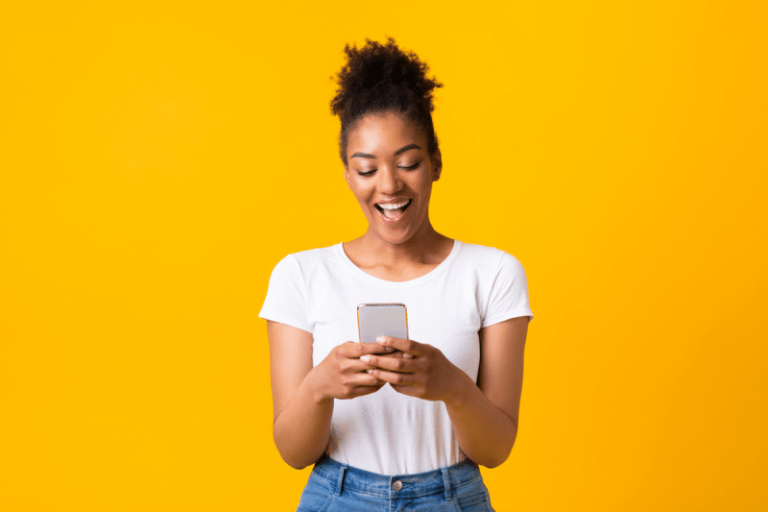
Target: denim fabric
[(336, 487)]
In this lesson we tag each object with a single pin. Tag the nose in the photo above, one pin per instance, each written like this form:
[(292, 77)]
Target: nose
[(389, 180)]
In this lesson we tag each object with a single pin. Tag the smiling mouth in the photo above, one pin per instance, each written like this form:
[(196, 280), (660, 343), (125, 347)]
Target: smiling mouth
[(390, 213)]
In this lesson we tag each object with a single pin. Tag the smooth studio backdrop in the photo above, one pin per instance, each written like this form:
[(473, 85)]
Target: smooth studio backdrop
[(158, 158)]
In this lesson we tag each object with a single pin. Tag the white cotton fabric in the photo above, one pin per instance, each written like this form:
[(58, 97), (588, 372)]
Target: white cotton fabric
[(387, 432)]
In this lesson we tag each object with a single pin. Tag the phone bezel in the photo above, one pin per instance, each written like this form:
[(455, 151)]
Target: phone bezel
[(375, 304)]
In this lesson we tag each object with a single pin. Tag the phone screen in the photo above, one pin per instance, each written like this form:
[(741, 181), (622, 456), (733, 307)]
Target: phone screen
[(375, 320)]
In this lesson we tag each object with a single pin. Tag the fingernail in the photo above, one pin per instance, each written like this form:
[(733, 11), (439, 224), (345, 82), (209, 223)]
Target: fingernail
[(381, 339), (388, 349), (369, 371), (365, 358)]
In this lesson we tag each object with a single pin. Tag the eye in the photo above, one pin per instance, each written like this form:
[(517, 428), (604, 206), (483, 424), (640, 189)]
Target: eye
[(409, 167), (366, 173)]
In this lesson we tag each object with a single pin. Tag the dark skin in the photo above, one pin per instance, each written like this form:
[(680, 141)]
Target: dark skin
[(388, 166)]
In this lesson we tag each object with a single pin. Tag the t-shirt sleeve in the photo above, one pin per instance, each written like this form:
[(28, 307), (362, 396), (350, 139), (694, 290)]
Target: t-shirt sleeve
[(509, 293), (286, 296)]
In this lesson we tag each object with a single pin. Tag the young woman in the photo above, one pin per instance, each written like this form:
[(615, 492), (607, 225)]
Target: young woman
[(401, 423)]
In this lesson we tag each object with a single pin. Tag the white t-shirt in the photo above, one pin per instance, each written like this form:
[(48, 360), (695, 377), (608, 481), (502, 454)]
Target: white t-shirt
[(387, 432)]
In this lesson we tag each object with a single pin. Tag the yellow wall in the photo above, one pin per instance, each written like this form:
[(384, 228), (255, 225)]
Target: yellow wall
[(158, 158)]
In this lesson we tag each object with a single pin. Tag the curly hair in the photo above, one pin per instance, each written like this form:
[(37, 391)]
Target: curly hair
[(380, 78)]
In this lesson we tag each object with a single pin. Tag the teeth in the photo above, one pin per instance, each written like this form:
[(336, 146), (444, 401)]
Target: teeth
[(394, 206)]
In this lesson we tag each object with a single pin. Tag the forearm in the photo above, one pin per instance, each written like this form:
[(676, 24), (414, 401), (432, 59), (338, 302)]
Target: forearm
[(302, 429), (485, 433)]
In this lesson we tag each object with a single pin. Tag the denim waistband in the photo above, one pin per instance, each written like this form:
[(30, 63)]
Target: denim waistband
[(443, 480)]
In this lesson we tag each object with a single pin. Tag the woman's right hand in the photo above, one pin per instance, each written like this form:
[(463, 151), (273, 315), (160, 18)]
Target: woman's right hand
[(343, 375), (302, 394)]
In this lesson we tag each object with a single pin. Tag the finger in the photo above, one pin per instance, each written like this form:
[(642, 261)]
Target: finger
[(355, 349), (411, 347), (367, 390), (397, 354), (402, 379), (406, 390), (395, 364), (365, 379), (357, 366)]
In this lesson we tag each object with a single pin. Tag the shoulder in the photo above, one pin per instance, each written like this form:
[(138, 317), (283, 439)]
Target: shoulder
[(303, 265), (296, 272), (309, 258), (489, 259), (502, 285)]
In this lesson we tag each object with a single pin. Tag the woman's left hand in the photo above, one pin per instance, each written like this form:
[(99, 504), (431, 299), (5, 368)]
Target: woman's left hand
[(423, 371)]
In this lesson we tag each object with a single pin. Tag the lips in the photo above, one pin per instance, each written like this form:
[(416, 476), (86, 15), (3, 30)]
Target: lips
[(392, 212)]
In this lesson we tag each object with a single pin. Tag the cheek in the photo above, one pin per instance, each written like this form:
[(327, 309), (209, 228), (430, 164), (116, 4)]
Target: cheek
[(360, 193), (425, 187)]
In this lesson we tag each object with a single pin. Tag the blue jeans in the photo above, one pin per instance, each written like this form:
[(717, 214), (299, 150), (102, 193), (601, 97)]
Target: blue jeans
[(336, 487)]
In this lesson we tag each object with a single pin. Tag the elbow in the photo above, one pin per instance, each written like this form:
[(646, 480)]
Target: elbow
[(296, 464), (292, 454), (497, 459), (502, 452), (491, 465), (296, 461)]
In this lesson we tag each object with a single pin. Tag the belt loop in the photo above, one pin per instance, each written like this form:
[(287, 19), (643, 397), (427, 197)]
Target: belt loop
[(447, 484), (340, 481)]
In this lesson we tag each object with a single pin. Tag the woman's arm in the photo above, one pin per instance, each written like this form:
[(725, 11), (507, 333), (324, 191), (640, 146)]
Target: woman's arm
[(484, 415), (303, 396), (302, 419)]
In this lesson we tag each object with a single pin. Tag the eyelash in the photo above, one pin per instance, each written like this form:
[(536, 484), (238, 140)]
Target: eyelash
[(408, 168)]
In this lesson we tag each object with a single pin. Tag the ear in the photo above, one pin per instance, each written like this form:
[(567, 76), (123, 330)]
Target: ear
[(437, 165)]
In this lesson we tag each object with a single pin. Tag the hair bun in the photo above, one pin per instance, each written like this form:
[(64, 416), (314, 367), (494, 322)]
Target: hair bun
[(382, 77), (382, 69)]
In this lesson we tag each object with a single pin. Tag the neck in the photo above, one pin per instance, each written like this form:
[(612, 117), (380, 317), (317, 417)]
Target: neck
[(420, 248)]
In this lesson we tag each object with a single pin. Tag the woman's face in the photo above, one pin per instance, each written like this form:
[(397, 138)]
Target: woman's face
[(390, 173)]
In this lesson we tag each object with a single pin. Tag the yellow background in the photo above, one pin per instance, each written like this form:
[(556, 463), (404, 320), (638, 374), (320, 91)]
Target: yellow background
[(158, 158)]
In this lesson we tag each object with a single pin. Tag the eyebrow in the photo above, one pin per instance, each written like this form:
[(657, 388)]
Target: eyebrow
[(401, 150)]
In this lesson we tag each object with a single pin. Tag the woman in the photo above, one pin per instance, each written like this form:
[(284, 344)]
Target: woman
[(399, 422)]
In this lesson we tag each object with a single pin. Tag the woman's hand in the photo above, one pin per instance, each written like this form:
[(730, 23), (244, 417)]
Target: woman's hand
[(344, 375), (423, 371), (303, 394)]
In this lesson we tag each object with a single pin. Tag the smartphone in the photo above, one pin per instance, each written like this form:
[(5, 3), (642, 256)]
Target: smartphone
[(375, 320)]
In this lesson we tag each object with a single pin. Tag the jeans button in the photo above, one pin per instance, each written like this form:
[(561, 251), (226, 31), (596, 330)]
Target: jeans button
[(397, 485)]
